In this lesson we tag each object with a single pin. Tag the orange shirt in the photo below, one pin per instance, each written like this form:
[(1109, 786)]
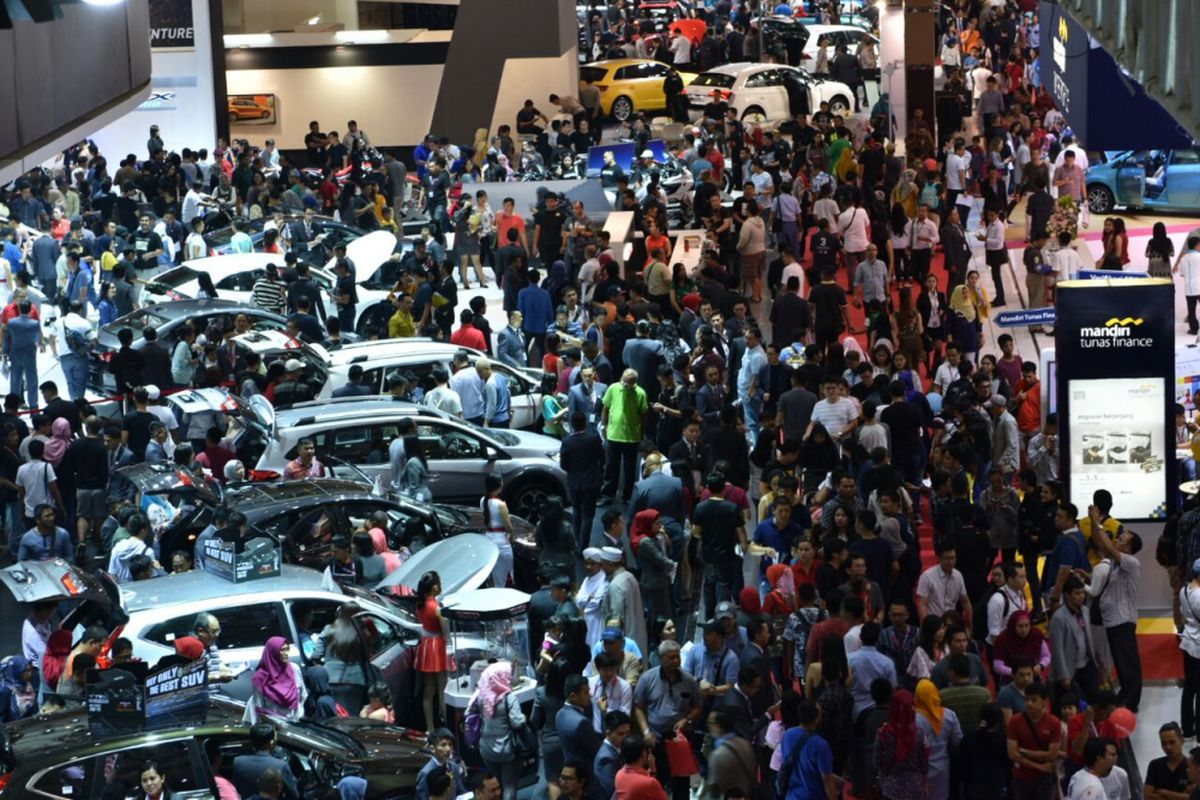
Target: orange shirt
[(506, 221), (1029, 411), (635, 783)]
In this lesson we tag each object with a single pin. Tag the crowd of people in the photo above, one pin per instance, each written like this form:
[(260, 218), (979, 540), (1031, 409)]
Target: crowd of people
[(808, 505)]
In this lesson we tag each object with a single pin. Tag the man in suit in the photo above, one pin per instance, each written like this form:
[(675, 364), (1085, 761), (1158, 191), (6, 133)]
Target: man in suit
[(585, 397), (510, 344), (574, 722), (581, 456), (739, 705), (305, 232), (617, 726), (156, 361), (711, 397), (764, 702), (304, 286), (247, 769), (664, 493), (687, 450)]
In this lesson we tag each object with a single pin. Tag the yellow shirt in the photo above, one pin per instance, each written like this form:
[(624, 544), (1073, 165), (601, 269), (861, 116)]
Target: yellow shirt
[(1111, 526), (107, 262), (401, 325)]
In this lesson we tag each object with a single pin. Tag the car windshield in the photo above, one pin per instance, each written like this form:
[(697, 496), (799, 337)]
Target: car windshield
[(174, 278), (503, 437), (717, 79), (142, 319)]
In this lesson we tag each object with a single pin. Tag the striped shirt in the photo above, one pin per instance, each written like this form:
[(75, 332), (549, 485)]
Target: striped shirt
[(1118, 601), (268, 295)]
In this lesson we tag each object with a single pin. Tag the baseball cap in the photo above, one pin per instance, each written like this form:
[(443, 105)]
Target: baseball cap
[(725, 610), (293, 365), (647, 154), (612, 635), (153, 392)]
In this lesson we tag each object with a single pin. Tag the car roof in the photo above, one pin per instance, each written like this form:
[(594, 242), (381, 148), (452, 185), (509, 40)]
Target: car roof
[(614, 63), (835, 28), (68, 734), (362, 352), (233, 263), (740, 67), (178, 309), (347, 408), (199, 585)]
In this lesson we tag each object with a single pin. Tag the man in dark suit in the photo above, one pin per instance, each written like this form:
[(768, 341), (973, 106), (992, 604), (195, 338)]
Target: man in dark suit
[(585, 397), (156, 361), (662, 492), (56, 407), (763, 702), (687, 450), (542, 606), (739, 705), (304, 286), (711, 397), (581, 456), (574, 722), (247, 769), (617, 726), (305, 232)]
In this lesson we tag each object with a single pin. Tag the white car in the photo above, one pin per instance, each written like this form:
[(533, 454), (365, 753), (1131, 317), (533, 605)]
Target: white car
[(758, 93), (833, 35), (234, 276)]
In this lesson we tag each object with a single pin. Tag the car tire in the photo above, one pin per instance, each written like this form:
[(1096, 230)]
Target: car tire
[(374, 316), (528, 497), (622, 108), (839, 105), (754, 114), (1100, 199)]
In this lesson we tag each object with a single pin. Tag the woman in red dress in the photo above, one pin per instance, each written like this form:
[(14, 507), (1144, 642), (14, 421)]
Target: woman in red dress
[(432, 662)]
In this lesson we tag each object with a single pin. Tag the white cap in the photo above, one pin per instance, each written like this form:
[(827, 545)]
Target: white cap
[(647, 154), (592, 554), (611, 554), (153, 392), (293, 365)]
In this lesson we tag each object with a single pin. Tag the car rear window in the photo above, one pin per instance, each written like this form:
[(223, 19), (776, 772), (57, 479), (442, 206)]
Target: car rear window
[(592, 74), (174, 278), (717, 79)]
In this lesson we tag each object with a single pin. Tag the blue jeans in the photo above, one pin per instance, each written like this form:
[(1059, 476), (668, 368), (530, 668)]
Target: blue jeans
[(23, 376), (751, 408), (14, 520), (75, 368)]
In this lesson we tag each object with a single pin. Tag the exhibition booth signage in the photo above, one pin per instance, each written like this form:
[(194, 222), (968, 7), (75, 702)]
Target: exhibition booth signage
[(1106, 108), (1115, 380)]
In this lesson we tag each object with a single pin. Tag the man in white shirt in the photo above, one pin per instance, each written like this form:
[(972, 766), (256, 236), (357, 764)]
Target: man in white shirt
[(681, 50), (1069, 146), (941, 587), (922, 239), (957, 164), (995, 253), (194, 246), (1067, 261), (947, 373), (270, 157), (1189, 264), (1099, 757), (1004, 603), (192, 202), (854, 227), (838, 414)]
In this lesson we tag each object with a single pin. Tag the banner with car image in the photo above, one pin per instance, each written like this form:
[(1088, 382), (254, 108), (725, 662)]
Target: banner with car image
[(1115, 352)]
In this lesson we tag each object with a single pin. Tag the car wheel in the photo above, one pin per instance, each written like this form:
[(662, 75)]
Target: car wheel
[(839, 105), (1100, 199), (622, 108), (754, 114), (528, 498), (374, 317)]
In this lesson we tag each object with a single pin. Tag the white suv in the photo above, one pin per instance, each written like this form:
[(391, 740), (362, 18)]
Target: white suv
[(757, 91)]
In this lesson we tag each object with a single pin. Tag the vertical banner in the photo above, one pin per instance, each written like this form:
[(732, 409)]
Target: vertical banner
[(1115, 351), (171, 25)]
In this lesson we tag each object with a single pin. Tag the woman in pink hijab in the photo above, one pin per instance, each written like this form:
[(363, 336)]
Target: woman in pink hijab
[(60, 439), (391, 560), (279, 690)]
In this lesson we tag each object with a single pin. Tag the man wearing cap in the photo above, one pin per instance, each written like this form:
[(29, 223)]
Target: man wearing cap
[(592, 591), (1006, 450), (736, 636), (291, 388), (623, 597)]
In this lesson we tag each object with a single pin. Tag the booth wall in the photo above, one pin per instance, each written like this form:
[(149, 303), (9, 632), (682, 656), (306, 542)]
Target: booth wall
[(534, 79), (393, 104), (182, 101)]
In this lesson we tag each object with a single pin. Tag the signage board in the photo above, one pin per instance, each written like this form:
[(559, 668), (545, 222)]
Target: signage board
[(1115, 367), (239, 560), (130, 697), (171, 25), (1109, 274), (1026, 316)]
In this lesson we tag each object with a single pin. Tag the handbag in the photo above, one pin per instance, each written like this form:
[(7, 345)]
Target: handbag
[(680, 757), (524, 740)]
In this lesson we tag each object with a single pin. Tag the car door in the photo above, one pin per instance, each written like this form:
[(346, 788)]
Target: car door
[(523, 396), (304, 532), (1183, 179), (392, 653), (650, 85), (457, 458), (1130, 179), (117, 773), (365, 446)]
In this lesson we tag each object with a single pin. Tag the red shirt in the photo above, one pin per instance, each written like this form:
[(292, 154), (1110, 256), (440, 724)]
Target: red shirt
[(1029, 411), (634, 783), (832, 625), (469, 336), (1030, 735), (803, 576), (10, 312), (506, 221)]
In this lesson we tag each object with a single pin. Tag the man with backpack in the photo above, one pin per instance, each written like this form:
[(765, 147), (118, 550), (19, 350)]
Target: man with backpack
[(807, 770)]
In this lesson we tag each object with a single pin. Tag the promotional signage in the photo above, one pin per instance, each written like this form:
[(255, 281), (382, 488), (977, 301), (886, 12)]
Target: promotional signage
[(129, 697), (1105, 107), (239, 560), (171, 26), (1028, 316), (1109, 274), (1115, 371)]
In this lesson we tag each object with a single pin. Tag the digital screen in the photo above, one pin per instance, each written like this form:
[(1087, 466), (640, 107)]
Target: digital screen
[(1118, 443), (624, 154)]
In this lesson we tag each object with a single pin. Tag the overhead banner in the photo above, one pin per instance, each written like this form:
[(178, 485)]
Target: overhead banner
[(1105, 107), (1115, 354), (171, 25)]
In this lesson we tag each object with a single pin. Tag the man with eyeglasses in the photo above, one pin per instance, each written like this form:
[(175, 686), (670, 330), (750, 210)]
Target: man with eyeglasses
[(207, 629)]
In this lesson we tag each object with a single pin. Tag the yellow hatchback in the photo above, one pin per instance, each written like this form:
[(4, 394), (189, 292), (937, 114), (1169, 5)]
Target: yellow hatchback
[(629, 85)]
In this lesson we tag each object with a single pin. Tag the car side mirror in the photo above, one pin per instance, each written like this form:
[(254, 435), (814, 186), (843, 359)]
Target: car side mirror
[(491, 453)]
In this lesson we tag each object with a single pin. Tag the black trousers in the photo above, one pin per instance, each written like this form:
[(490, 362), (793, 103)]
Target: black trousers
[(1189, 700), (921, 261), (1122, 641), (1191, 312), (584, 501), (620, 457)]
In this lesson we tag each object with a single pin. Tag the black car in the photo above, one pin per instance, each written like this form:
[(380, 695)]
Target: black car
[(786, 34), (63, 756), (335, 233), (167, 319), (305, 515)]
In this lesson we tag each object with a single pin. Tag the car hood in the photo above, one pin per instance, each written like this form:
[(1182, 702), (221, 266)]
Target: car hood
[(160, 477), (368, 252), (525, 443), (462, 562)]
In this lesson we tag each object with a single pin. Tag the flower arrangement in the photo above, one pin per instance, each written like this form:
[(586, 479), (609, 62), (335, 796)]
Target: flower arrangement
[(1064, 218)]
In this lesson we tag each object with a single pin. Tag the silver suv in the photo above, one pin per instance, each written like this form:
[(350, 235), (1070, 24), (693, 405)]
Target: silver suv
[(358, 431)]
